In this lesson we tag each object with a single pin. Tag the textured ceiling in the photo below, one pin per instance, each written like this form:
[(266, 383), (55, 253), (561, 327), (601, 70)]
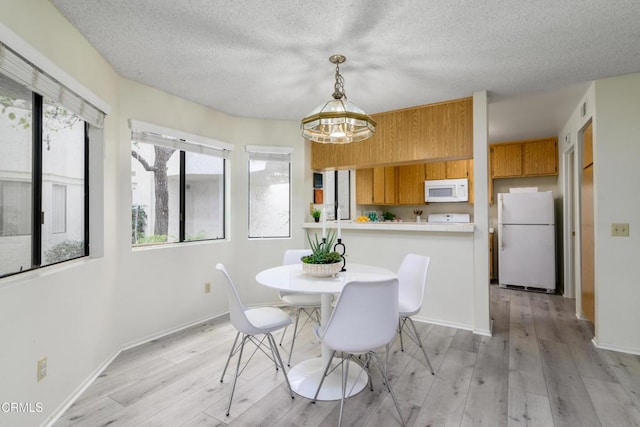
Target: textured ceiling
[(269, 59)]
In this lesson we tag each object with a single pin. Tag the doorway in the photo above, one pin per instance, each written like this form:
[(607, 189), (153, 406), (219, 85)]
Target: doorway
[(587, 287)]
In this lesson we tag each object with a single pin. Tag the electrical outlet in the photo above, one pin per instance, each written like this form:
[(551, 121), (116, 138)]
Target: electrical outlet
[(620, 230), (207, 288), (42, 368)]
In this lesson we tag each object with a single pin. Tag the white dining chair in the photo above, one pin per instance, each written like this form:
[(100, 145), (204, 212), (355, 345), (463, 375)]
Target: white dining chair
[(307, 304), (365, 318), (412, 275), (250, 323)]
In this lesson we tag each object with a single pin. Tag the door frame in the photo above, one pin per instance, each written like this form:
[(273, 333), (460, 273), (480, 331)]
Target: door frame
[(578, 216), (570, 221)]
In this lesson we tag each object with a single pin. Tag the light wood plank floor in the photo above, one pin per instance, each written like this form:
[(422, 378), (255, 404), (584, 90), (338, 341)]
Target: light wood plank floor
[(538, 369)]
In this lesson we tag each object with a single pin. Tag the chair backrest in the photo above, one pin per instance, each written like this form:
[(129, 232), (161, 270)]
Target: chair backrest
[(293, 256), (412, 275), (238, 317), (365, 316)]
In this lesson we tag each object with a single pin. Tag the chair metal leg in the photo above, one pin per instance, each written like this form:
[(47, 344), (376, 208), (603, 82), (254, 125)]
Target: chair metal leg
[(274, 348), (345, 376), (324, 375), (295, 332), (376, 360), (233, 347), (400, 326), (235, 378), (415, 331)]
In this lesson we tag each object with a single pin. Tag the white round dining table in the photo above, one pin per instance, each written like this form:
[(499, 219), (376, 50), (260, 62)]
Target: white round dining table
[(305, 376)]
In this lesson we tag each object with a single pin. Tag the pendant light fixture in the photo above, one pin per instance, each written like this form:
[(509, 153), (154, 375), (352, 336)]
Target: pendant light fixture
[(337, 121)]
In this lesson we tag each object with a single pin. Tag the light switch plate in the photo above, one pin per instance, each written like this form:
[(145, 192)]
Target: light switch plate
[(620, 229)]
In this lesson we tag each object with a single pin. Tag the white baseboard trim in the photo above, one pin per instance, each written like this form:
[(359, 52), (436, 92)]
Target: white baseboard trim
[(164, 333), (629, 350), (441, 323), (57, 413)]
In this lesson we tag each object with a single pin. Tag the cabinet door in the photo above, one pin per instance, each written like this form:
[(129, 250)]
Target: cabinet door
[(411, 184), (437, 170), (364, 186), (457, 169), (378, 186), (506, 160), (390, 185), (540, 158)]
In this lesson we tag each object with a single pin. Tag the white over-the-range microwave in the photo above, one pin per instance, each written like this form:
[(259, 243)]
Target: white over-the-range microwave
[(446, 190)]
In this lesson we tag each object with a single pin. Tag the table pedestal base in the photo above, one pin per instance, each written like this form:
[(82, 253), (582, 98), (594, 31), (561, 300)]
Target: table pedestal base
[(305, 377)]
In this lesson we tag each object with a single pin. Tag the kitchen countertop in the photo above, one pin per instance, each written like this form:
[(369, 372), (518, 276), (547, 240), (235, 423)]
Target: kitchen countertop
[(448, 227)]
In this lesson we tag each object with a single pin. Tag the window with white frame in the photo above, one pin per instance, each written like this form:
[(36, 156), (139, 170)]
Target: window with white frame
[(178, 186), (269, 191), (44, 147)]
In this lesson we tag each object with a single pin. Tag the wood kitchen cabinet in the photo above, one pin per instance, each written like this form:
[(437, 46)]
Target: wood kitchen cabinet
[(364, 186), (404, 185), (506, 160), (411, 184), (540, 157), (376, 186), (435, 170), (439, 131), (518, 159)]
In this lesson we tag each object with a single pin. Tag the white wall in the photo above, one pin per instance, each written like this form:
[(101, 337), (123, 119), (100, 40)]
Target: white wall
[(614, 106), (616, 198), (449, 297), (65, 312)]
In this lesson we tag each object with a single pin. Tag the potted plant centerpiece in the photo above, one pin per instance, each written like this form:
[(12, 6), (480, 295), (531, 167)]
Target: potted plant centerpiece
[(323, 261)]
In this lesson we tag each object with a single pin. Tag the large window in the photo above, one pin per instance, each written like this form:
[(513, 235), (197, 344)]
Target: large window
[(43, 191), (177, 188), (269, 192)]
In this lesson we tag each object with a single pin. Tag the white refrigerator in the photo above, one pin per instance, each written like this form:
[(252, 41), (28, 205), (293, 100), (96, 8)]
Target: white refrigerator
[(526, 240)]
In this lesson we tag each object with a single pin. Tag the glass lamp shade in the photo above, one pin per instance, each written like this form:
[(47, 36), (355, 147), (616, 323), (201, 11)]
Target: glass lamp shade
[(337, 122)]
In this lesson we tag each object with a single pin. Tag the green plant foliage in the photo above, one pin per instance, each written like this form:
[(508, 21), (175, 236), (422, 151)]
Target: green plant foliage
[(322, 252), (200, 235), (316, 213), (156, 238), (65, 250), (388, 216), (138, 223)]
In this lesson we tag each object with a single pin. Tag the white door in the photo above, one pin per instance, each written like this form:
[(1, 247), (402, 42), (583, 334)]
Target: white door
[(526, 208), (527, 256)]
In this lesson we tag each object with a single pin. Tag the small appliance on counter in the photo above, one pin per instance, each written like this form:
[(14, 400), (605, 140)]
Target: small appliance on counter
[(444, 218)]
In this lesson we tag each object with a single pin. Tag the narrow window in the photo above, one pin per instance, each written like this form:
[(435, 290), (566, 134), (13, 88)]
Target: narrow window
[(269, 192)]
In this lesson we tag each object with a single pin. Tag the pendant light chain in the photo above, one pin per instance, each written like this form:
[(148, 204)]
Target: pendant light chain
[(339, 85)]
